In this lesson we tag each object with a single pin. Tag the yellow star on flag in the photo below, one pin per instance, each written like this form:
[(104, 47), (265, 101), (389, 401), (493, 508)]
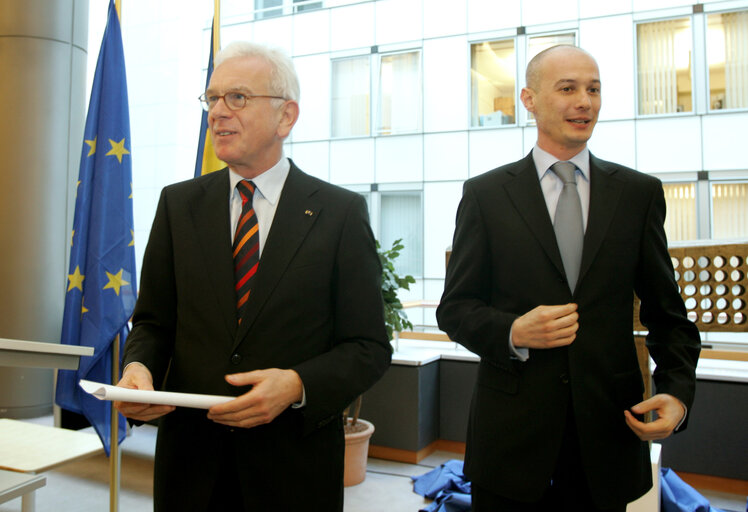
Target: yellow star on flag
[(72, 235), (115, 281), (92, 144), (132, 243), (84, 309), (118, 149), (76, 279)]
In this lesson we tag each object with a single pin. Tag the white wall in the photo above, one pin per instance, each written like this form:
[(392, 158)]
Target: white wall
[(166, 49)]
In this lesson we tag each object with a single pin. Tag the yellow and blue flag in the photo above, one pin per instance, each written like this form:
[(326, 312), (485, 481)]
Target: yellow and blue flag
[(207, 161), (101, 286)]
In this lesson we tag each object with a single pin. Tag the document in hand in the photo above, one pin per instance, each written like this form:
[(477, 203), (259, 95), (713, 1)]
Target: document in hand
[(107, 392)]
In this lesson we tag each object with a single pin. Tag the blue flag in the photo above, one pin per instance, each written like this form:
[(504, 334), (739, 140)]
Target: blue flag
[(207, 161), (101, 285)]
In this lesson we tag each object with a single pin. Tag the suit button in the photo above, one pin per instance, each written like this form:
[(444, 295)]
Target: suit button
[(564, 378), (236, 359)]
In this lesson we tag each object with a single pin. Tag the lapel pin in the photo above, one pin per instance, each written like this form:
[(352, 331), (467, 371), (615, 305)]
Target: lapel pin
[(309, 213)]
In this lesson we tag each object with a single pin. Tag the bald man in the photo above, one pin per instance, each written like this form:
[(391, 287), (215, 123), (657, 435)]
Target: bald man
[(545, 262)]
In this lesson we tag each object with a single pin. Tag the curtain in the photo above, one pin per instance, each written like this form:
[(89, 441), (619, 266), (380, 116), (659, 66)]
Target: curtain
[(350, 97), (736, 59), (680, 222), (402, 217), (729, 210), (400, 93), (658, 88)]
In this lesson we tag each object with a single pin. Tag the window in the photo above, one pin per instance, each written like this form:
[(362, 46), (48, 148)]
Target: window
[(493, 79), (664, 66), (401, 216), (399, 106), (727, 58), (306, 5), (729, 210), (271, 8), (537, 44), (268, 8), (350, 97), (680, 221)]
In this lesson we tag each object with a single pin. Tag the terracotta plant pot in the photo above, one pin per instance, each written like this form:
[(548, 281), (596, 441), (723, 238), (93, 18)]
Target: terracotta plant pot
[(356, 453)]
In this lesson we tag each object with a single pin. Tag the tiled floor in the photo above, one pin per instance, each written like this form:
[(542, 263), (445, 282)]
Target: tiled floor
[(83, 486)]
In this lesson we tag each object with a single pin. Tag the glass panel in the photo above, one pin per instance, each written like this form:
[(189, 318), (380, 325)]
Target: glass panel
[(727, 56), (399, 93), (664, 66), (306, 5), (729, 210), (402, 217), (493, 78), (268, 8), (350, 97), (539, 43), (680, 221)]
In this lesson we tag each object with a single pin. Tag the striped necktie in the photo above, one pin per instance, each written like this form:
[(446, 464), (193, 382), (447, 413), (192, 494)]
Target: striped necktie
[(246, 247)]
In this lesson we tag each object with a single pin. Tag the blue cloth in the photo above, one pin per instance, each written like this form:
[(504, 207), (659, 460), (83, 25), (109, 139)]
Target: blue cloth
[(101, 292), (447, 486), (677, 496)]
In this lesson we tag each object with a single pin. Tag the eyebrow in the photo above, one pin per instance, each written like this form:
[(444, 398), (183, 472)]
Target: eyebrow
[(231, 89), (572, 81)]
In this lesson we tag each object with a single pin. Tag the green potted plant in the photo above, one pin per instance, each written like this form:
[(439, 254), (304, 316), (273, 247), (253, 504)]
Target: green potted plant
[(359, 431)]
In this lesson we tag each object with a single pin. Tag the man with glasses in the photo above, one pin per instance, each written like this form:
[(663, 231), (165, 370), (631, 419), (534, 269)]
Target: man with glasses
[(262, 283)]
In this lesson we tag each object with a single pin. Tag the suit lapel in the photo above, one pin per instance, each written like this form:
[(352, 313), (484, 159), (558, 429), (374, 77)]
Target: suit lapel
[(527, 196), (295, 215), (605, 192), (210, 214)]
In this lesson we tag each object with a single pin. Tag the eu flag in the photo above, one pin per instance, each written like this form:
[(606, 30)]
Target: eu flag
[(207, 161), (101, 287)]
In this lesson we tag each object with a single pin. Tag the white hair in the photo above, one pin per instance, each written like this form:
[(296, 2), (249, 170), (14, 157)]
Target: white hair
[(283, 79)]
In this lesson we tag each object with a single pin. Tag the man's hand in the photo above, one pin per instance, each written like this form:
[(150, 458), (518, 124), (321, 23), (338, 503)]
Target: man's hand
[(137, 376), (670, 412), (546, 327), (272, 392)]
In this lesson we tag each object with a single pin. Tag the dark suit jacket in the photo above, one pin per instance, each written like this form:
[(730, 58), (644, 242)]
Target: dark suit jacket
[(505, 262), (316, 308)]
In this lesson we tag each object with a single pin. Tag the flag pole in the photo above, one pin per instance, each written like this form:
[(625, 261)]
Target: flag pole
[(216, 26), (114, 451)]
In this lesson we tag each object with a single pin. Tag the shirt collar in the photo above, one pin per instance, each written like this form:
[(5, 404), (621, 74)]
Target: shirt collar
[(269, 183), (544, 160)]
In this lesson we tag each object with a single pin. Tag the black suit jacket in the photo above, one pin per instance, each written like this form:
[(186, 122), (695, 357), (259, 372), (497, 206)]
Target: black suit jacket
[(316, 308), (505, 262)]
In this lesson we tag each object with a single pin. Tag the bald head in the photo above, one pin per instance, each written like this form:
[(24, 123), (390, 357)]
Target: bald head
[(534, 68)]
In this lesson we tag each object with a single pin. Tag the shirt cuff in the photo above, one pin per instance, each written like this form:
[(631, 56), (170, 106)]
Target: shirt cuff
[(521, 353), (299, 405)]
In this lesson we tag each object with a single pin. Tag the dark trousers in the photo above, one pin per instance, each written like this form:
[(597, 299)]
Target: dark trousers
[(568, 491)]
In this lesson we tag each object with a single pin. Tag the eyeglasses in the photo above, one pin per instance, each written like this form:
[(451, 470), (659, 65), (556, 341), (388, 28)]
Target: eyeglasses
[(234, 100)]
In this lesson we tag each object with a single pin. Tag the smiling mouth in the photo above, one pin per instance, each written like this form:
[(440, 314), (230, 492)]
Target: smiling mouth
[(579, 121)]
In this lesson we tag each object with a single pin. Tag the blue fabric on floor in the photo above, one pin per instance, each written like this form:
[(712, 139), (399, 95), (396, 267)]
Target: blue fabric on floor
[(447, 486), (449, 489), (677, 496)]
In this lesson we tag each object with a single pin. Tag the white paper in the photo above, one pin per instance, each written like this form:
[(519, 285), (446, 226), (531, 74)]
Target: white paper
[(107, 392)]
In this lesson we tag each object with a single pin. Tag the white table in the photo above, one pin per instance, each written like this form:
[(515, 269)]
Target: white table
[(14, 485), (41, 355), (28, 448)]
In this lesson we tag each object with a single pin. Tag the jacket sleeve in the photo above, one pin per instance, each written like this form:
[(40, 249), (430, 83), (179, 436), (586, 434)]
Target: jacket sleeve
[(673, 340), (465, 312)]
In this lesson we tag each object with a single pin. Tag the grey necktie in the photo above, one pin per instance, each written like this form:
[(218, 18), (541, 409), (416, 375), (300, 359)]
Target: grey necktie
[(568, 223)]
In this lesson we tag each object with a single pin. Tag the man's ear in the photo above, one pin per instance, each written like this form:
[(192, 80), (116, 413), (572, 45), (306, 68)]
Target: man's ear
[(289, 116), (527, 96)]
